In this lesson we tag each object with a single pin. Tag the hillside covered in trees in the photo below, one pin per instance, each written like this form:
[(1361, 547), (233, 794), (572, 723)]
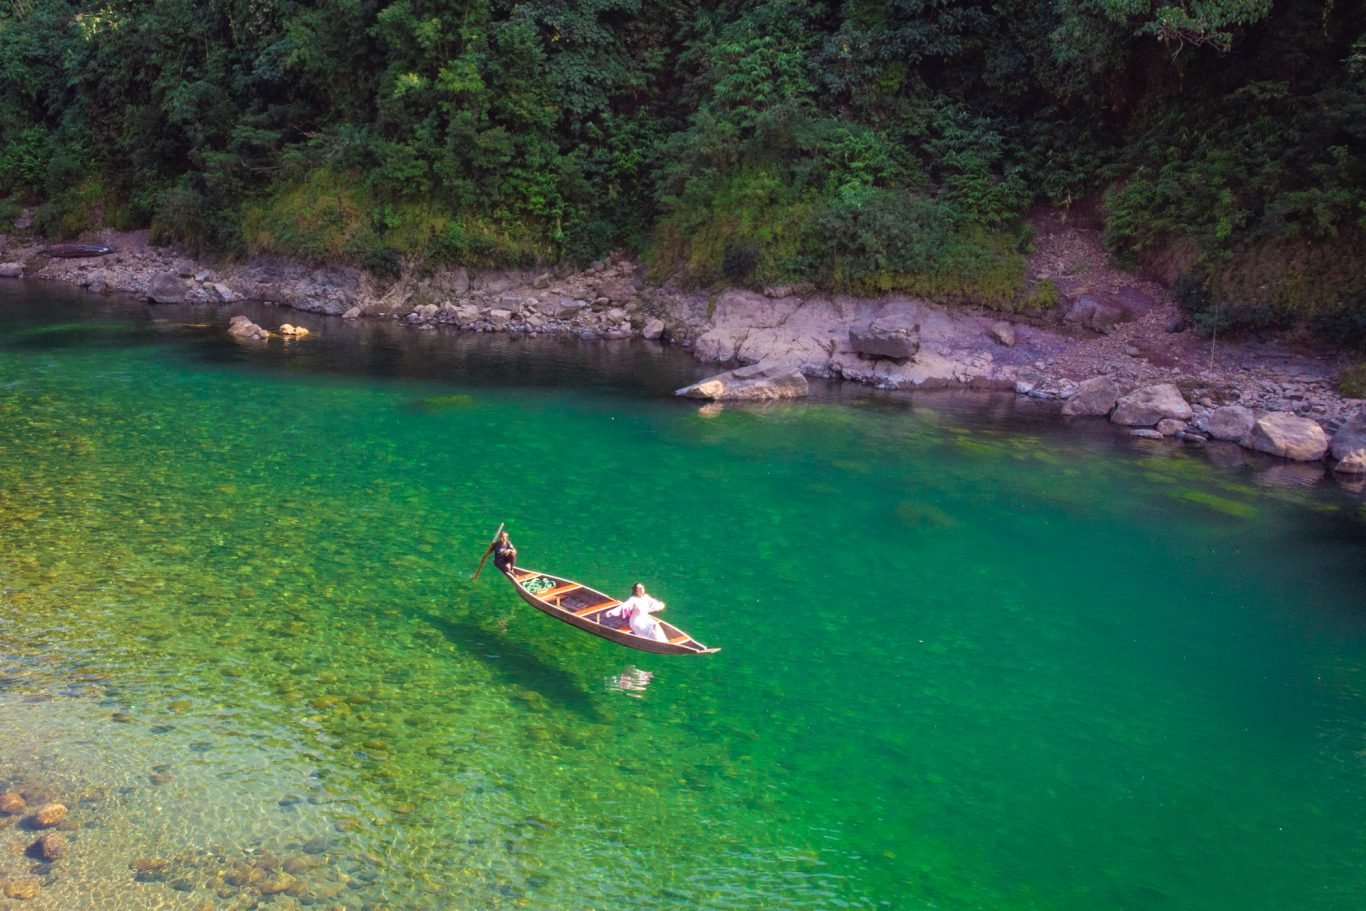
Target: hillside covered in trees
[(861, 146)]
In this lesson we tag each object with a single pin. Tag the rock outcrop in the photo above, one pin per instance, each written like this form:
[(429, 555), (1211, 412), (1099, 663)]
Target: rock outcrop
[(764, 381), (895, 337)]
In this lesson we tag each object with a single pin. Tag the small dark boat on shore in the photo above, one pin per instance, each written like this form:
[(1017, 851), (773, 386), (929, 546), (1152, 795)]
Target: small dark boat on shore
[(584, 607), (75, 251)]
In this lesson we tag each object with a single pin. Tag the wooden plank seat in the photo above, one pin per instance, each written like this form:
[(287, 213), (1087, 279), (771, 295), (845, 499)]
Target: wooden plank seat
[(682, 637), (592, 607), (558, 590)]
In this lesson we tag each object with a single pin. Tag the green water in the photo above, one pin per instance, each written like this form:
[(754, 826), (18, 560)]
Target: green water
[(965, 663)]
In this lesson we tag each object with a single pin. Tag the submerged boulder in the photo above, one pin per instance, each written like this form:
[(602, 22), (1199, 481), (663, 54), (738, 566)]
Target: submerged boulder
[(50, 847), (1288, 436), (757, 382), (242, 327), (49, 815)]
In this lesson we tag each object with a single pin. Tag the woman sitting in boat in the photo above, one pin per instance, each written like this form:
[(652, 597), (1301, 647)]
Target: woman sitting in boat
[(637, 609), (504, 554)]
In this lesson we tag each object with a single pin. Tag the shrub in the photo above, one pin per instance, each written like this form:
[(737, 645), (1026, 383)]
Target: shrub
[(1352, 382), (72, 212)]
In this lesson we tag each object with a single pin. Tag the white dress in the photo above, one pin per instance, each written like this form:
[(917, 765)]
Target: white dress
[(637, 609)]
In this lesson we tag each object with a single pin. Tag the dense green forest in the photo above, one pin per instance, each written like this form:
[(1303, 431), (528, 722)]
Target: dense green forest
[(862, 146)]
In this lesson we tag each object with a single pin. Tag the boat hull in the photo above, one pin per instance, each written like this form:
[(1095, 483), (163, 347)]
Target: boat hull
[(580, 606)]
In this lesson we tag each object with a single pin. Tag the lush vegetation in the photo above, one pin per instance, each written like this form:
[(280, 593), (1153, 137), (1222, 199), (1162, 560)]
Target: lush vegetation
[(865, 145)]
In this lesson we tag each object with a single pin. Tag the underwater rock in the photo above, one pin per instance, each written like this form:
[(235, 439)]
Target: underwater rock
[(274, 885), (294, 331), (51, 846), (49, 815), (757, 382), (245, 875), (149, 869), (22, 889), (11, 804)]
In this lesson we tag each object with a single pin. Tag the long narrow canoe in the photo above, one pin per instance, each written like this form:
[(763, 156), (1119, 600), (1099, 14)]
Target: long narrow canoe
[(581, 606)]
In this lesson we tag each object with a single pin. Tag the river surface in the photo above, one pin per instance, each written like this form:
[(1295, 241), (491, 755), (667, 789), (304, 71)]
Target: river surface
[(971, 658)]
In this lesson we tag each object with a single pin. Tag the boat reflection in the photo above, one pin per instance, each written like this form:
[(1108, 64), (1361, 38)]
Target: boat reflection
[(630, 682)]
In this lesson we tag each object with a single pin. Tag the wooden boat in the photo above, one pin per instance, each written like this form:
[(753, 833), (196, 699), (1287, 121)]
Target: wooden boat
[(581, 606), (75, 251)]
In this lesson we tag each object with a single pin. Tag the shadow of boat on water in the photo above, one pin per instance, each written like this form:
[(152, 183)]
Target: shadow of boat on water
[(513, 663)]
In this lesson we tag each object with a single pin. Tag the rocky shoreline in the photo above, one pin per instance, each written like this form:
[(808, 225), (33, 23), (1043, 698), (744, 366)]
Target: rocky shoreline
[(1114, 345)]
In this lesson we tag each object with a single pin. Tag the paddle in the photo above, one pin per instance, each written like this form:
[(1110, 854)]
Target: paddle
[(487, 552)]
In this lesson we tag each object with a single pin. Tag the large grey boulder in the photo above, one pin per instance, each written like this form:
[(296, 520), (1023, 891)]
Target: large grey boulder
[(11, 270), (1147, 405), (167, 288), (758, 382), (1231, 422), (1096, 315), (895, 337), (1288, 436), (1351, 436), (1095, 396)]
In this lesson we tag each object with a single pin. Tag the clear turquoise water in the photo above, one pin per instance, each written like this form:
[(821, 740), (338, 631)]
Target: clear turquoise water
[(971, 658)]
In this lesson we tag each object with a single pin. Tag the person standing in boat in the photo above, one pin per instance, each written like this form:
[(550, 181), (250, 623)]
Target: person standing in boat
[(504, 554), (637, 610)]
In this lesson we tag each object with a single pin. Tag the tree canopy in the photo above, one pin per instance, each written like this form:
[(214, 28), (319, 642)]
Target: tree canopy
[(862, 145)]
